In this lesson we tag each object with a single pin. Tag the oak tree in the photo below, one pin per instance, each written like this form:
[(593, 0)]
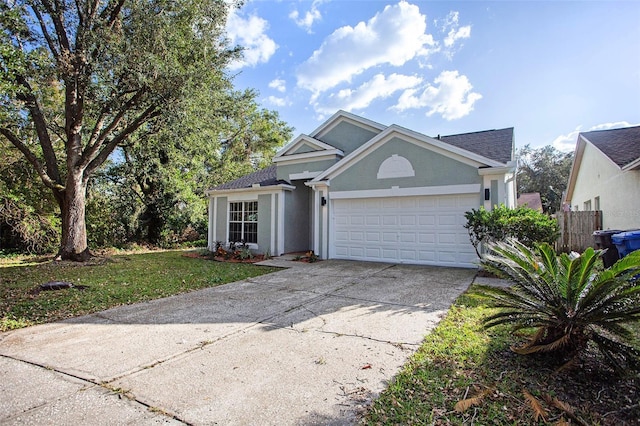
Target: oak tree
[(78, 78)]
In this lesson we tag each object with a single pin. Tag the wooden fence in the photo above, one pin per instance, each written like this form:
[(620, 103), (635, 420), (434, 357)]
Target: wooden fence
[(576, 230)]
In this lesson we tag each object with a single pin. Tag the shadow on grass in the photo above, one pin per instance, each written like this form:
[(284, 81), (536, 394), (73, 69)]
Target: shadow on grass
[(448, 369)]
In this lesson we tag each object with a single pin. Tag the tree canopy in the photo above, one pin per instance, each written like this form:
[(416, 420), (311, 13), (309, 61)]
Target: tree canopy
[(544, 170), (81, 78)]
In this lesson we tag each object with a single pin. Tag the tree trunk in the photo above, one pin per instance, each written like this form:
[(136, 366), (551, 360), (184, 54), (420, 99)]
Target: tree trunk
[(74, 228)]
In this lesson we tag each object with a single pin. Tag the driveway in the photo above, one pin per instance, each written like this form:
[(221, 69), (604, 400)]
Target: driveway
[(312, 344)]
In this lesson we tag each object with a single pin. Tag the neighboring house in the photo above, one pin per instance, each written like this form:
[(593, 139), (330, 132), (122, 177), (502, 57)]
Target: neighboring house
[(605, 176), (531, 200), (355, 189)]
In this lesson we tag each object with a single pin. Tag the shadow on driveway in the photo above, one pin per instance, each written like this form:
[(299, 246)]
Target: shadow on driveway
[(304, 345)]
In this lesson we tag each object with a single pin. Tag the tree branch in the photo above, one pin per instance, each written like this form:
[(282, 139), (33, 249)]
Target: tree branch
[(101, 135), (45, 32), (31, 102), (31, 157), (145, 116)]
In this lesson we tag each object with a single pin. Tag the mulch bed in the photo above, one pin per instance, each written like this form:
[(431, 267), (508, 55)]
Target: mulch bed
[(256, 258)]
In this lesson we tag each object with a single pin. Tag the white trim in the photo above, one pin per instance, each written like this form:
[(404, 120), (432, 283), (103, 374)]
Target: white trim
[(325, 226), (315, 183), (315, 155), (272, 235), (316, 220), (304, 175), (212, 222), (510, 167), (341, 116), (306, 140), (402, 192), (257, 190), (632, 165), (280, 224), (410, 136)]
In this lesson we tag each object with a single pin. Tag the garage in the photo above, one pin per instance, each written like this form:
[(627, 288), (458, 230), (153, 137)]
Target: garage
[(425, 230)]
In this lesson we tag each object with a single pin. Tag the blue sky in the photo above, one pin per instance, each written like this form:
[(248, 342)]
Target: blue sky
[(547, 68)]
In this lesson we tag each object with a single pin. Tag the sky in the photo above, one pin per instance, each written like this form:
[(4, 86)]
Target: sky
[(550, 69)]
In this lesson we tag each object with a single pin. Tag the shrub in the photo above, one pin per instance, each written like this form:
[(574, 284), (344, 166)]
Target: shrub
[(526, 225), (566, 301)]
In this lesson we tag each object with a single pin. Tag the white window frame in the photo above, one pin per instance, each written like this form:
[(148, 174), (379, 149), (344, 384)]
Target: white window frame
[(243, 203)]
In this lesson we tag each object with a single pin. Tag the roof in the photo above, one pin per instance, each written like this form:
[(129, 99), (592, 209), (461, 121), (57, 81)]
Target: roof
[(622, 146), (264, 177), (494, 144), (531, 200)]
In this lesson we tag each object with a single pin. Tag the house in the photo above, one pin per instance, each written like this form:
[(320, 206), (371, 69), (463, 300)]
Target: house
[(605, 176), (356, 189), (531, 200)]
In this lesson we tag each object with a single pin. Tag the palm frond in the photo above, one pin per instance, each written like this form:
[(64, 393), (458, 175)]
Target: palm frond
[(536, 406)]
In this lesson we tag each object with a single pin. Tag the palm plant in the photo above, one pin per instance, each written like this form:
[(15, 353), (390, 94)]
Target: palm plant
[(566, 300)]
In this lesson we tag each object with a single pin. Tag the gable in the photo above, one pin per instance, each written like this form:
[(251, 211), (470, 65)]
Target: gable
[(401, 163), (304, 148), (304, 144), (347, 132), (393, 133)]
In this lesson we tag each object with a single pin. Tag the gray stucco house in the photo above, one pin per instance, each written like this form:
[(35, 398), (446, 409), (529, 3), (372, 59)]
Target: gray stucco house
[(356, 189)]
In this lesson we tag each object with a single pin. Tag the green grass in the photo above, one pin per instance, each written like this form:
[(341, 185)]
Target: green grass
[(460, 360), (118, 280)]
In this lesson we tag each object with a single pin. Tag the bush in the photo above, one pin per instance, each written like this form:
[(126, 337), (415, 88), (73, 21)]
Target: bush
[(526, 225), (566, 301)]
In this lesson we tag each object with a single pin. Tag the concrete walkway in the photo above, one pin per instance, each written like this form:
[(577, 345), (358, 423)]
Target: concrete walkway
[(312, 344)]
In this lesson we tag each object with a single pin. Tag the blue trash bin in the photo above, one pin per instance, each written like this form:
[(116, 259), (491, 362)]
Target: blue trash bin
[(626, 242)]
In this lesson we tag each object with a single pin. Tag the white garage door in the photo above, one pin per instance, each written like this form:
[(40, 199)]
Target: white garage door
[(425, 230)]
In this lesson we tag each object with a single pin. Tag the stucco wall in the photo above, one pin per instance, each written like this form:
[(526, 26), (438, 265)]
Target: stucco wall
[(347, 137), (304, 148), (297, 219), (264, 224), (619, 191), (221, 220), (431, 169), (284, 170)]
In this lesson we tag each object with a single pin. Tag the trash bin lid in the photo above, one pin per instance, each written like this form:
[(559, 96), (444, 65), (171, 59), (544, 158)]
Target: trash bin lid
[(626, 236), (607, 232)]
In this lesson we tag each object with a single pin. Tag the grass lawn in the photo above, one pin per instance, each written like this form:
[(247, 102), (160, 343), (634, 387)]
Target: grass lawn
[(464, 374), (109, 281)]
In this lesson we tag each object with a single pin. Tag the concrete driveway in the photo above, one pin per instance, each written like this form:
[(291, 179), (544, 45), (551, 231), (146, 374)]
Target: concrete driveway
[(312, 344)]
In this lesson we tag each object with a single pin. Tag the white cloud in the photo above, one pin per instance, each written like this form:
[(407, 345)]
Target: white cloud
[(309, 18), (279, 102), (279, 85), (379, 87), (393, 36), (450, 96), (250, 33), (567, 142), (451, 26)]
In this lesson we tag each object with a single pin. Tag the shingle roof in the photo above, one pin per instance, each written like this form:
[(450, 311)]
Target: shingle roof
[(621, 145), (494, 144), (531, 200), (264, 177)]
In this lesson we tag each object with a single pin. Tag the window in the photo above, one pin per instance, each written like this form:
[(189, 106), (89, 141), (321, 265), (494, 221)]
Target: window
[(587, 205), (596, 203), (243, 221)]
